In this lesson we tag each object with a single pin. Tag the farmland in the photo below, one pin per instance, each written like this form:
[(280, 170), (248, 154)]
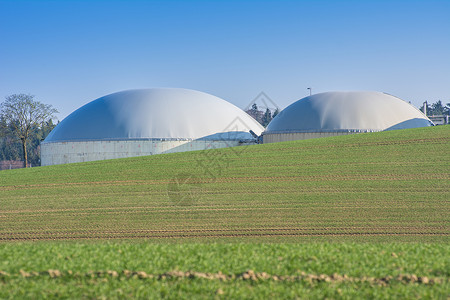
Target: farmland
[(363, 206), (381, 186)]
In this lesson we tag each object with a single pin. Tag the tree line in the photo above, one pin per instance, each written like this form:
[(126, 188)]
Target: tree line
[(24, 123), (263, 117), (436, 108)]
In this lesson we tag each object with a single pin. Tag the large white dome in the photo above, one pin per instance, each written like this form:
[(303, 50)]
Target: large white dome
[(147, 122), (347, 112), (158, 113)]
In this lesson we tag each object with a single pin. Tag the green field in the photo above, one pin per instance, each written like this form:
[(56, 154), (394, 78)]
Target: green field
[(230, 270), (373, 207)]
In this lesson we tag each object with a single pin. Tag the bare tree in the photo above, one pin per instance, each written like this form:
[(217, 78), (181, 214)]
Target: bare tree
[(23, 113)]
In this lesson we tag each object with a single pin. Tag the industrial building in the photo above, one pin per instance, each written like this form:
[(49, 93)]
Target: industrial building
[(342, 113), (146, 122)]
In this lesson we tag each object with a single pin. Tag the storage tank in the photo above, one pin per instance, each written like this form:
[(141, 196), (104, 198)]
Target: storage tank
[(146, 122), (341, 113)]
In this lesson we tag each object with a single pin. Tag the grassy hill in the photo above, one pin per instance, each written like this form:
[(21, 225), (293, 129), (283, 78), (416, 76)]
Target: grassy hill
[(203, 224), (380, 186)]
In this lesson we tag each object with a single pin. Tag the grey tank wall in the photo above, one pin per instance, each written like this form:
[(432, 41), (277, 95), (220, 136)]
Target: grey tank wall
[(56, 153)]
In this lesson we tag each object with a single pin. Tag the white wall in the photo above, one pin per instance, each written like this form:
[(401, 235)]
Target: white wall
[(71, 152)]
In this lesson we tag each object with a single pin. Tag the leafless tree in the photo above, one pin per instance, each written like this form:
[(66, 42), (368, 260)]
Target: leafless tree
[(23, 113)]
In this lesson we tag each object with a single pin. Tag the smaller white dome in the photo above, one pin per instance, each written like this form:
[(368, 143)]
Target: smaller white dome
[(348, 112)]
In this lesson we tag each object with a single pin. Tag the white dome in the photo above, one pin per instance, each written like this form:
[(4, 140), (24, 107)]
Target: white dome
[(159, 113), (347, 112)]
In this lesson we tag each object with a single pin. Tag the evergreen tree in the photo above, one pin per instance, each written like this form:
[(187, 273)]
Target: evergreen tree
[(438, 108), (266, 118), (275, 113)]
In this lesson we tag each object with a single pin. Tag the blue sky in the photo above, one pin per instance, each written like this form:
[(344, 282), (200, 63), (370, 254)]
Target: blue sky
[(68, 53)]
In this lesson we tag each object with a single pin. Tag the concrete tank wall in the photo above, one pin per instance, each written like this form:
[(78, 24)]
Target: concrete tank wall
[(56, 153)]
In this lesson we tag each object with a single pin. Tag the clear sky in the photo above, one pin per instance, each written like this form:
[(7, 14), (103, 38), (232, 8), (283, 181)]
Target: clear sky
[(68, 53)]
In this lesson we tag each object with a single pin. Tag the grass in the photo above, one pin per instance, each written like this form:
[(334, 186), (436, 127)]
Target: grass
[(373, 207), (84, 270), (381, 186)]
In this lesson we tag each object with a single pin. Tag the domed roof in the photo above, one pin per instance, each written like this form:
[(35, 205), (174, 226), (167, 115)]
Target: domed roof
[(158, 113), (347, 111)]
